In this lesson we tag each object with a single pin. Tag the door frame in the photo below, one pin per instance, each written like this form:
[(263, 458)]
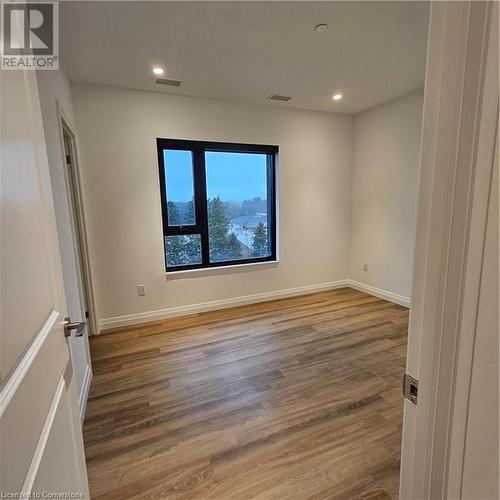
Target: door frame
[(78, 220), (458, 130), (42, 450)]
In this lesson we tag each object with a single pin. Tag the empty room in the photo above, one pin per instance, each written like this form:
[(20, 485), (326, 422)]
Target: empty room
[(249, 250)]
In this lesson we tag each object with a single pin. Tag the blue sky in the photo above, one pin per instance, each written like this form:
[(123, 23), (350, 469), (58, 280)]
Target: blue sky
[(232, 176)]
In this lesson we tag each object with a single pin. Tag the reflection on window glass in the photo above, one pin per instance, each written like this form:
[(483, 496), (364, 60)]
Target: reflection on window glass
[(180, 190), (183, 250), (237, 206)]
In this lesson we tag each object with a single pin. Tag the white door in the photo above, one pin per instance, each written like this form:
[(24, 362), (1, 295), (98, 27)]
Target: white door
[(41, 446), (58, 121), (76, 271)]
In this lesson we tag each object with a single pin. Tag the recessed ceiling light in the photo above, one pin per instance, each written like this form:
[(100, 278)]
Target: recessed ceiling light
[(320, 27), (337, 97), (158, 71)]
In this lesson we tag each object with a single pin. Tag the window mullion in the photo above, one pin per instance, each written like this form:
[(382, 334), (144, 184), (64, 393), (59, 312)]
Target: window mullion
[(181, 230), (201, 201), (271, 203)]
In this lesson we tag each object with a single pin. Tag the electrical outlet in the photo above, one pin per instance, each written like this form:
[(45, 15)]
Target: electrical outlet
[(141, 290), (365, 266)]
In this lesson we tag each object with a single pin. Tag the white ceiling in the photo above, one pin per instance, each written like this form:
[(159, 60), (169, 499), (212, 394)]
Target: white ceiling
[(244, 51)]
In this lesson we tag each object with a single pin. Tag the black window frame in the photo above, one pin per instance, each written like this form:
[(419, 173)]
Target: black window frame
[(198, 149)]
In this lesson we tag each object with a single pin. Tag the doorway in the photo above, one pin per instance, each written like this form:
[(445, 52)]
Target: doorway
[(76, 267)]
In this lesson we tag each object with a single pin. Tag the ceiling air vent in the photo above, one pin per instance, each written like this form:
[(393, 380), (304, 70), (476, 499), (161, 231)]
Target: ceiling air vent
[(279, 97), (168, 81)]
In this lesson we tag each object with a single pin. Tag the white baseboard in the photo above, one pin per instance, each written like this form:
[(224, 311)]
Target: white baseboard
[(378, 292), (84, 393), (171, 312), (131, 319)]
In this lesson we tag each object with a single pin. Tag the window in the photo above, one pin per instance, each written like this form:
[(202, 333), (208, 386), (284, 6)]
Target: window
[(218, 203)]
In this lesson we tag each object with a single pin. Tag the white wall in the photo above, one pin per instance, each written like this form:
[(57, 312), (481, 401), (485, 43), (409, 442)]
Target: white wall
[(117, 130), (384, 194)]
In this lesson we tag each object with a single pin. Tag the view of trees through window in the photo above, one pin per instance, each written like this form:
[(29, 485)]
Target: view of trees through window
[(237, 207), (186, 248), (237, 230)]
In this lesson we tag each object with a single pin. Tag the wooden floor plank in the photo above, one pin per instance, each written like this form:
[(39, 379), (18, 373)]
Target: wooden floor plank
[(296, 398)]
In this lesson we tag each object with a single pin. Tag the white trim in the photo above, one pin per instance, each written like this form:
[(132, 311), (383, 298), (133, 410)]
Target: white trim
[(131, 319), (458, 33), (77, 219), (195, 273), (17, 376), (379, 292), (480, 214), (172, 312), (42, 441), (84, 393)]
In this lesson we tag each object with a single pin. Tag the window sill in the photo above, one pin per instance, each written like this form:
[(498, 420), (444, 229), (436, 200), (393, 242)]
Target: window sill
[(209, 271)]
